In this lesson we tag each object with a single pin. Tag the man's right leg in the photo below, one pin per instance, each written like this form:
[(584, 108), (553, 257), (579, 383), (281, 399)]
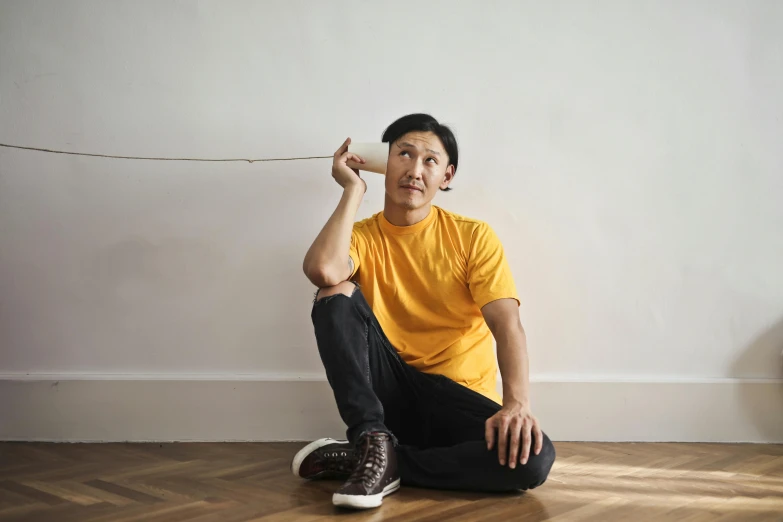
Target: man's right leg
[(360, 380), (342, 334)]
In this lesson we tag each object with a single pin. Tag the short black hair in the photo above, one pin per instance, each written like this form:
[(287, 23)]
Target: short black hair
[(424, 123)]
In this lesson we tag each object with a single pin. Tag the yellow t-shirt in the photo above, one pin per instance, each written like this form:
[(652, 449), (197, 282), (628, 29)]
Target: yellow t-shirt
[(426, 284)]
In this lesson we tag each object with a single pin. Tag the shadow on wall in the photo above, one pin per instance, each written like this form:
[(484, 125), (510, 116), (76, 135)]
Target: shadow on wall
[(763, 359)]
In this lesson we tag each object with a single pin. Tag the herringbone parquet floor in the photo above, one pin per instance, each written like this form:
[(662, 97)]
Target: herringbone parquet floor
[(252, 482)]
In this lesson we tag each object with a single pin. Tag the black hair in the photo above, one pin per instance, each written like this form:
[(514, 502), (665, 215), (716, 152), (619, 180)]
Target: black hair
[(424, 123)]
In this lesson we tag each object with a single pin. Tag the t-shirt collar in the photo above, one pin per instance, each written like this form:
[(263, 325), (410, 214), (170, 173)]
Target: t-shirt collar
[(410, 229)]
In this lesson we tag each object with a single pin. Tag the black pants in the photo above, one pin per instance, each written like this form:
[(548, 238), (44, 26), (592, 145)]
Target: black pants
[(437, 424)]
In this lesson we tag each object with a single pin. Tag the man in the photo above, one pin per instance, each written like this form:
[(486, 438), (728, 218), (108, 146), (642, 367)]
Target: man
[(408, 303)]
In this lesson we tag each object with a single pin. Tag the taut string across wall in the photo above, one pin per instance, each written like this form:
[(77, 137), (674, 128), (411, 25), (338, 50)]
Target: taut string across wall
[(248, 160)]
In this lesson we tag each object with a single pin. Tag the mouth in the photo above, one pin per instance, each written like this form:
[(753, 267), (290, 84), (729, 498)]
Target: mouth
[(411, 188)]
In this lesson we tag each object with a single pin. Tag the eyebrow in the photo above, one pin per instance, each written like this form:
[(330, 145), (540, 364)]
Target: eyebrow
[(406, 144)]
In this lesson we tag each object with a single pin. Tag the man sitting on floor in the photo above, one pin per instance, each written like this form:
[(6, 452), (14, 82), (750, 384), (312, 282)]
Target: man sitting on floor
[(408, 303)]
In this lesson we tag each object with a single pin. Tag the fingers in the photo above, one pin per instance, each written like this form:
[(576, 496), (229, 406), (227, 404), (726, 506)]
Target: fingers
[(525, 442), (516, 428), (354, 158), (539, 437), (503, 440), (345, 157), (343, 148), (349, 156), (342, 154), (489, 433), (514, 437)]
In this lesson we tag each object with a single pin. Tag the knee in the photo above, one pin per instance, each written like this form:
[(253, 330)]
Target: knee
[(537, 469), (533, 474), (346, 288)]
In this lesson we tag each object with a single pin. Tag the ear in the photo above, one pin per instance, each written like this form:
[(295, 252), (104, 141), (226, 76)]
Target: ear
[(449, 176)]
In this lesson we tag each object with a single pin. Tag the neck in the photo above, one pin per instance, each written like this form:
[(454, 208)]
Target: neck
[(403, 217)]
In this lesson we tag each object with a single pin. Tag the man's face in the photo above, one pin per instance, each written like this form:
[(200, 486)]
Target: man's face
[(418, 167)]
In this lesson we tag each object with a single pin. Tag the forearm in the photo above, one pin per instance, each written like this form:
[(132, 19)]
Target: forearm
[(326, 262), (513, 364)]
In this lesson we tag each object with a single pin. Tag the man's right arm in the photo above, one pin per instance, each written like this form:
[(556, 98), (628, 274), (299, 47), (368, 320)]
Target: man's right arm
[(327, 262)]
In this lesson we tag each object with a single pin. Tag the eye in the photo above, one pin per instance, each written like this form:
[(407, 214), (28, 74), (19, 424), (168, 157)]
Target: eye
[(433, 159), (404, 153)]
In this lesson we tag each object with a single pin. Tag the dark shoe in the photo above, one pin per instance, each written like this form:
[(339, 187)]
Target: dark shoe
[(375, 475), (325, 459)]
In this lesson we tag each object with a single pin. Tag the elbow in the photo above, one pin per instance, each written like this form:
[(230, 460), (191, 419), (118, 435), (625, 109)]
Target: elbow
[(321, 276)]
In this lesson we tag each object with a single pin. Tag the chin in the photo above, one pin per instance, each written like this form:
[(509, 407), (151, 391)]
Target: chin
[(407, 204)]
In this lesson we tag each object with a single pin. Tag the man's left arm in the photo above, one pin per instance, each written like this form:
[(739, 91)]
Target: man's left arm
[(514, 423)]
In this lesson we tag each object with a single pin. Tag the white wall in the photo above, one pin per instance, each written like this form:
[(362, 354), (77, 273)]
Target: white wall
[(629, 155)]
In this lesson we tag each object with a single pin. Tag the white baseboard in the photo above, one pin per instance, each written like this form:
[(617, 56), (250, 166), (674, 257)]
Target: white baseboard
[(107, 408)]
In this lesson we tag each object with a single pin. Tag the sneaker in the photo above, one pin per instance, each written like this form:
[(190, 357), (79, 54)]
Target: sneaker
[(325, 459), (374, 477)]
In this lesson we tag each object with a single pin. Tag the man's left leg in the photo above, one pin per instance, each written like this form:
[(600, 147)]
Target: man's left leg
[(457, 457)]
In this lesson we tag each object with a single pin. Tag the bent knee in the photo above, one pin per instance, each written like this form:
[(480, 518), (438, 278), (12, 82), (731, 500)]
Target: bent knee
[(538, 466), (528, 476), (346, 288)]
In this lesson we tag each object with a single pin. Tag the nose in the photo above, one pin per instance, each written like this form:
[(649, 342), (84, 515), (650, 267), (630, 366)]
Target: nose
[(416, 170)]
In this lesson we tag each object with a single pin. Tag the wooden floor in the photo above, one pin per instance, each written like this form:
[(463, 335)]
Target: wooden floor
[(244, 482)]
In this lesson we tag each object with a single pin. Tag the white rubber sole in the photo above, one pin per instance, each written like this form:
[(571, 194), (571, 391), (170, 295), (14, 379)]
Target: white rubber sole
[(304, 452), (365, 501)]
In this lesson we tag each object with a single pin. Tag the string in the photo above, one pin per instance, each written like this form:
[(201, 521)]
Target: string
[(6, 145)]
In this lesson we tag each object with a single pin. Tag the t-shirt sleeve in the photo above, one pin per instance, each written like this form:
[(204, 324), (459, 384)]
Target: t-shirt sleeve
[(489, 274), (358, 249)]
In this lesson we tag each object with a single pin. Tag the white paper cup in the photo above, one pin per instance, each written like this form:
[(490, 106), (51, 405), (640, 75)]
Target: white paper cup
[(375, 154)]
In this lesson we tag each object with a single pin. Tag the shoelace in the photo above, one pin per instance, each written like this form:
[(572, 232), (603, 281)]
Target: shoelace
[(370, 467)]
